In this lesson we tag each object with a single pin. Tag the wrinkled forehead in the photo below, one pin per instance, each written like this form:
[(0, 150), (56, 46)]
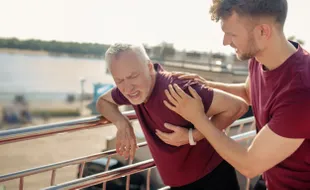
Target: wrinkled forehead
[(126, 63)]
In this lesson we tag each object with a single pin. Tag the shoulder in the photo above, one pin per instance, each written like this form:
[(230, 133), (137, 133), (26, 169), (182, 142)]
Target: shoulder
[(303, 68), (199, 87), (251, 63)]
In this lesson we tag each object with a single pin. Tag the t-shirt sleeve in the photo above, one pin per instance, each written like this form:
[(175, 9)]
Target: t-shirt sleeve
[(205, 93), (291, 118), (118, 97)]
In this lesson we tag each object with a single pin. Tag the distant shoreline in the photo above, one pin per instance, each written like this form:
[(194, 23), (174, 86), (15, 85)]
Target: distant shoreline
[(42, 52), (23, 51)]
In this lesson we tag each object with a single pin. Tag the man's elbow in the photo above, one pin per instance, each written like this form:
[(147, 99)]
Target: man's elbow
[(100, 105), (239, 109), (243, 108), (252, 167), (250, 172)]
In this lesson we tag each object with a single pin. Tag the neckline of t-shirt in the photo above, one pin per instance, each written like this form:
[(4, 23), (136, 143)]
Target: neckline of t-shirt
[(273, 73), (158, 73)]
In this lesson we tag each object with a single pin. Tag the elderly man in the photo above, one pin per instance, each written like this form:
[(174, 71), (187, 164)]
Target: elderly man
[(278, 88), (184, 159)]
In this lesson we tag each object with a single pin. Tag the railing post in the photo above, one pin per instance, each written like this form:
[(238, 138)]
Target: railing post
[(128, 177), (53, 177), (21, 183), (81, 170), (104, 184), (240, 128), (148, 180)]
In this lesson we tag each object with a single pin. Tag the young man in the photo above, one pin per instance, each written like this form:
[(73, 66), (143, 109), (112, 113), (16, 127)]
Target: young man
[(141, 84), (278, 88)]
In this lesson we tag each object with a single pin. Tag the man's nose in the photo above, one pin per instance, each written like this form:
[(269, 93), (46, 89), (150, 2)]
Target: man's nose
[(226, 40), (128, 86)]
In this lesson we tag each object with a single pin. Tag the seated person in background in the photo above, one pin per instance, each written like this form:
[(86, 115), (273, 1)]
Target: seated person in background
[(184, 159)]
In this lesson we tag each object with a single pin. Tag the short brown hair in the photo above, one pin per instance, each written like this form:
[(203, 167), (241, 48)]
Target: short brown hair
[(254, 8)]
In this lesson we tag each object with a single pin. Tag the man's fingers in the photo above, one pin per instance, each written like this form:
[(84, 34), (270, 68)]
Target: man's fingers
[(170, 98), (171, 127), (118, 145), (174, 94), (176, 73), (194, 93), (132, 149), (180, 92), (187, 76), (126, 153), (169, 106), (162, 135), (123, 150)]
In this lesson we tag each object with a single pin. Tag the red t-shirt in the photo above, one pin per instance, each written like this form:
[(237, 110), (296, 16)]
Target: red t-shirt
[(281, 99), (177, 166)]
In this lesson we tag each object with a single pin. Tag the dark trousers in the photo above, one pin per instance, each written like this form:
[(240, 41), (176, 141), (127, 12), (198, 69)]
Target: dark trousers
[(223, 177), (260, 184)]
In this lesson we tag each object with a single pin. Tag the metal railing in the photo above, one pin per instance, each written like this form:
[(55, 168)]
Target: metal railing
[(15, 135)]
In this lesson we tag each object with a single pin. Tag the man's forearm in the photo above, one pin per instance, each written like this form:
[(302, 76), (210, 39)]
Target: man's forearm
[(110, 111), (231, 151), (235, 89), (224, 119), (220, 121)]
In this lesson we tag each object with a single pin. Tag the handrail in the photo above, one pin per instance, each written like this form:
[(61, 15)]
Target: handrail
[(244, 136), (58, 165), (105, 176), (242, 121), (15, 135), (32, 171), (127, 170)]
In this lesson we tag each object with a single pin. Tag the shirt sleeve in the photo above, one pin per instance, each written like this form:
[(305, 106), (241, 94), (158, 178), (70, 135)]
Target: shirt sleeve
[(118, 97), (291, 118), (204, 92), (206, 95)]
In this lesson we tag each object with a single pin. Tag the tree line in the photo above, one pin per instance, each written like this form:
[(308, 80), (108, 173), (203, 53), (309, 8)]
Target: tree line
[(56, 47), (161, 51)]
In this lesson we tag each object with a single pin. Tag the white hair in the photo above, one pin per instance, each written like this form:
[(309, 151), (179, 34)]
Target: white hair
[(118, 48)]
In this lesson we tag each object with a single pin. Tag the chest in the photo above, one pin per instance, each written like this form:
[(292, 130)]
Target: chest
[(153, 118), (264, 97)]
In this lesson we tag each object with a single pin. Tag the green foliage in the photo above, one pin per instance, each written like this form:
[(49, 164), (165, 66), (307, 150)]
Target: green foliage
[(56, 47)]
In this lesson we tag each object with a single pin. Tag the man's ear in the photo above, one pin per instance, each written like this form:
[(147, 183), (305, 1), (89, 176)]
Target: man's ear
[(150, 66)]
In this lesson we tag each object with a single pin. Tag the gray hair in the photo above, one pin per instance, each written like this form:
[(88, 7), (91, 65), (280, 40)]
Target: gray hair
[(116, 49)]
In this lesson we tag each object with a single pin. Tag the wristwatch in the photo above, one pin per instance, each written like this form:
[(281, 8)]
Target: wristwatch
[(190, 137)]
